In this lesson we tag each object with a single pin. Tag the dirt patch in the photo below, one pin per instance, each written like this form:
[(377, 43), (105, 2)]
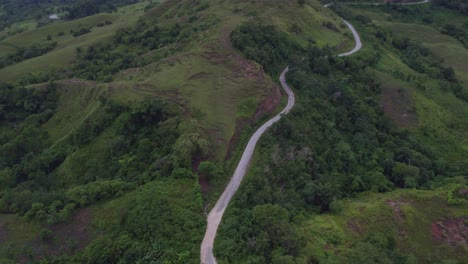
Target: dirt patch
[(76, 81), (453, 231), (463, 192), (3, 231), (354, 226), (398, 104), (399, 216), (267, 106), (66, 238), (396, 207), (243, 68), (77, 230)]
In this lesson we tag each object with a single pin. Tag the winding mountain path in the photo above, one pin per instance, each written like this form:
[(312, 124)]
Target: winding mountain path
[(216, 214)]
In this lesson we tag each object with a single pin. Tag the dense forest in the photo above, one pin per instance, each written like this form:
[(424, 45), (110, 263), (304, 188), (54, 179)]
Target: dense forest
[(29, 168), (335, 143), (16, 11), (27, 53), (83, 143)]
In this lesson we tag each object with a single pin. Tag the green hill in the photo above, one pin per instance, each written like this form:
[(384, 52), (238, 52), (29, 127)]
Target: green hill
[(120, 125)]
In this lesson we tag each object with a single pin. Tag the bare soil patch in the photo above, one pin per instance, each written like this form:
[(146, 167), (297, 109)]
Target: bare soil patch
[(3, 231), (355, 227), (396, 207), (67, 238), (453, 231), (398, 104)]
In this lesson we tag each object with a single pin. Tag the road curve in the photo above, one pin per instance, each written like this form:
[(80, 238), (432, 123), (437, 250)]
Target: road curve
[(216, 214), (357, 40)]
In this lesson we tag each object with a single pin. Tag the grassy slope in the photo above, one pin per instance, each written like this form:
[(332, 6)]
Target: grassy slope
[(207, 78), (406, 215), (210, 80), (440, 116), (218, 83), (62, 56), (15, 233), (21, 237)]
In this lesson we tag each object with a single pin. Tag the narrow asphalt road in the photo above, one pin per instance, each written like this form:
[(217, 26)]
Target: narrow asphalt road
[(216, 214), (357, 40)]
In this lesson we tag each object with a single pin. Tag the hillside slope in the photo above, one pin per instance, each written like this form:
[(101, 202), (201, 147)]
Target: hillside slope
[(115, 115)]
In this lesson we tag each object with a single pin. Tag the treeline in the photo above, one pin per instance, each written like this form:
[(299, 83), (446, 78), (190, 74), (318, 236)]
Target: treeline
[(85, 8), (412, 52), (26, 53), (335, 143), (27, 157), (46, 182), (458, 5), (458, 32), (101, 61), (18, 103), (421, 59), (264, 44), (20, 10)]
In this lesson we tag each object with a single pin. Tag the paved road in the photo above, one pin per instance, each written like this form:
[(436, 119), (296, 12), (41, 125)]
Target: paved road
[(216, 214), (357, 40)]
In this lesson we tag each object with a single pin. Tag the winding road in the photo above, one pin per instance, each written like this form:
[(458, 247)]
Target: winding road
[(216, 214)]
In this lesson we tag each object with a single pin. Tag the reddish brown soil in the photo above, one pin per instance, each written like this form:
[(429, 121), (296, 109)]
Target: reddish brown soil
[(355, 227), (463, 192), (3, 231), (398, 104), (453, 231), (66, 238), (78, 229), (399, 216), (247, 69), (396, 207)]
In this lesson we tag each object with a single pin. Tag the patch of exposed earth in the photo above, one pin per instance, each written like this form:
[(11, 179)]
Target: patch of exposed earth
[(453, 231)]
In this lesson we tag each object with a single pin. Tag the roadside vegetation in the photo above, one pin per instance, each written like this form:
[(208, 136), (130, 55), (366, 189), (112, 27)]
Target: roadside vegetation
[(121, 123), (341, 143), (105, 134)]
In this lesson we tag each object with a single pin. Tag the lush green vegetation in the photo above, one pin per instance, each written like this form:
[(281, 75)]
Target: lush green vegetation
[(458, 5), (104, 134), (265, 45), (27, 53), (84, 8), (144, 143), (458, 32), (101, 61), (335, 144), (13, 11)]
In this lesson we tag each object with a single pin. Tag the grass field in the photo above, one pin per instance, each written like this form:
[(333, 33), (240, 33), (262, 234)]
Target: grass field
[(65, 52), (408, 216), (443, 46), (215, 82), (436, 115), (210, 78)]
